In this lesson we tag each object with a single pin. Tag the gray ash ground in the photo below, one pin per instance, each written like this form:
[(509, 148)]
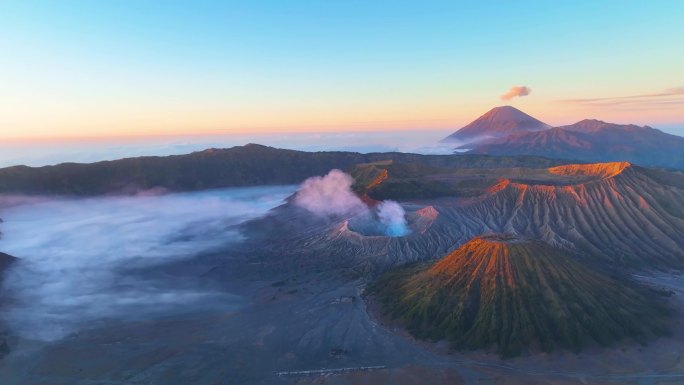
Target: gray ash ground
[(294, 314), (299, 319)]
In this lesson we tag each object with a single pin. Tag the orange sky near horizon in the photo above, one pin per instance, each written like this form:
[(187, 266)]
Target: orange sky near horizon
[(130, 69), (188, 121)]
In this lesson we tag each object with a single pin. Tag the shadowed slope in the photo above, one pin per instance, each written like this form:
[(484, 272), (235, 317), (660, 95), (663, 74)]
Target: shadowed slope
[(514, 294)]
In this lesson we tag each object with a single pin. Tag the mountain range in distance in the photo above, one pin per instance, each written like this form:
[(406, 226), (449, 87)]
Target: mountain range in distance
[(508, 131), (249, 165), (522, 140)]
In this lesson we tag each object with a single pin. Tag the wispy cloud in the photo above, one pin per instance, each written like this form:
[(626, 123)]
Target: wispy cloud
[(671, 96), (516, 91)]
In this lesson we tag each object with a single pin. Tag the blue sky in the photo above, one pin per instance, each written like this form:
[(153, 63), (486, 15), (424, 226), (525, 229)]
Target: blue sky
[(121, 68)]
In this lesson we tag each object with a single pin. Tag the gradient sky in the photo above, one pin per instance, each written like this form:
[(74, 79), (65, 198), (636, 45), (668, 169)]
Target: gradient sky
[(122, 68)]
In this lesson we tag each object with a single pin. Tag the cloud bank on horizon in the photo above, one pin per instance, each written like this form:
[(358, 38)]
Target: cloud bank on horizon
[(516, 91)]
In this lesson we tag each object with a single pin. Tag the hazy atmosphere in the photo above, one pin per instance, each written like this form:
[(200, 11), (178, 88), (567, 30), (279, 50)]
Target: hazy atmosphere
[(278, 192), (80, 268), (94, 69)]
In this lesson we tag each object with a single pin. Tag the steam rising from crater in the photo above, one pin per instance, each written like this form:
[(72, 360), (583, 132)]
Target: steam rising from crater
[(329, 195), (393, 218), (332, 196)]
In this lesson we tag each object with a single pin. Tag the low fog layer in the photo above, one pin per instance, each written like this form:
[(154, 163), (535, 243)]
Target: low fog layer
[(37, 154), (76, 255), (332, 196)]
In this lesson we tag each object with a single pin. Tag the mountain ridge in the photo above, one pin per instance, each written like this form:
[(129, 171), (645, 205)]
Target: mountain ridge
[(591, 140), (239, 166)]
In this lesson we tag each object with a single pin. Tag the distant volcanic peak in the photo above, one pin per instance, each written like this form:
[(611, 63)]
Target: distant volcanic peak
[(592, 123), (600, 170), (506, 116), (508, 112), (595, 125), (505, 113), (498, 122), (591, 140)]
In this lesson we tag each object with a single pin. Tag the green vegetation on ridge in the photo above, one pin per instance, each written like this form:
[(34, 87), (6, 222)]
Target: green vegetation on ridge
[(516, 295), (249, 165)]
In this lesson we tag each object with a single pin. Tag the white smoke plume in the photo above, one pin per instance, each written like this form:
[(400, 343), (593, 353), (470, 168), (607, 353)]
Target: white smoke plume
[(393, 218), (329, 195), (516, 91)]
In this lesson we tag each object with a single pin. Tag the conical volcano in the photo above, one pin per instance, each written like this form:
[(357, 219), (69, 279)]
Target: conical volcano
[(514, 295), (496, 123)]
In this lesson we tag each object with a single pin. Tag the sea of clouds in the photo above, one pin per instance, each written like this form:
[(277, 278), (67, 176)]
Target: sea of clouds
[(51, 152), (76, 256)]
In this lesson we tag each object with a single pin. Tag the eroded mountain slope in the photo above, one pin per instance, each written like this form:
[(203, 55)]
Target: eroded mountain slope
[(517, 294), (613, 214)]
